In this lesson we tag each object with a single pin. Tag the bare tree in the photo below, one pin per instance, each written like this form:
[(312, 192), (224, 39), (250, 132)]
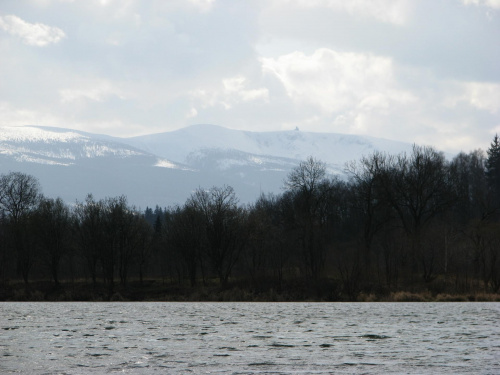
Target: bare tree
[(310, 190), (307, 176), (52, 222), (124, 235), (19, 196), (223, 222), (470, 185), (419, 189), (143, 243), (368, 198), (185, 236), (89, 218)]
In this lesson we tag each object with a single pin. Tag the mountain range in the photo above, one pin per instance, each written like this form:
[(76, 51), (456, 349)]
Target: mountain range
[(164, 169)]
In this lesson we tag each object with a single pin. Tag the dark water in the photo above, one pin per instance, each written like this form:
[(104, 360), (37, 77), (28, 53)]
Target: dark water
[(247, 338)]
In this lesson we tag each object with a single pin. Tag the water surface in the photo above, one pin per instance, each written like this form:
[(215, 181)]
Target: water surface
[(247, 338)]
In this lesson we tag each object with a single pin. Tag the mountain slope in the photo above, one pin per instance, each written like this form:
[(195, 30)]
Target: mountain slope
[(166, 168), (72, 164), (56, 146), (334, 149)]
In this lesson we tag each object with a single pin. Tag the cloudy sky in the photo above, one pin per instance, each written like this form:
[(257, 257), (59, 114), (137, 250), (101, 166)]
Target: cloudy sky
[(424, 71)]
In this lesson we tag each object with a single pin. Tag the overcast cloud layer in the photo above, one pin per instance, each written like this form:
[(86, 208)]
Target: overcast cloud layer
[(424, 71)]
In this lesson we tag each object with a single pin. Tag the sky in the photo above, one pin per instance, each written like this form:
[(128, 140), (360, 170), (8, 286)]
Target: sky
[(418, 71)]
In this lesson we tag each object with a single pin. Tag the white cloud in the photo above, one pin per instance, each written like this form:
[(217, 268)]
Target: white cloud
[(485, 96), (232, 91), (203, 5), (97, 91), (236, 87), (11, 115), (337, 81), (389, 11), (480, 95), (193, 112), (495, 4), (362, 93), (34, 34), (147, 66)]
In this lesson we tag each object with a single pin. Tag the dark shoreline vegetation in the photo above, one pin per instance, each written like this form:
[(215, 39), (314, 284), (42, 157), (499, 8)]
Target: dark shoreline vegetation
[(407, 227)]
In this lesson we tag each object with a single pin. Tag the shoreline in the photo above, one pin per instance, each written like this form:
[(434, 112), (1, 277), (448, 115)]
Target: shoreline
[(156, 291)]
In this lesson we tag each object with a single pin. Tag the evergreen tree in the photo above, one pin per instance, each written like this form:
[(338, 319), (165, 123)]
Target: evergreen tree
[(157, 225), (493, 172), (149, 215)]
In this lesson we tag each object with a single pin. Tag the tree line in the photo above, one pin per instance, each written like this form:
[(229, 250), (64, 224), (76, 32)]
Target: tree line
[(413, 221)]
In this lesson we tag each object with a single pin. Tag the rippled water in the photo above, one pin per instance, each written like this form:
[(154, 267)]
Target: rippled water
[(245, 338)]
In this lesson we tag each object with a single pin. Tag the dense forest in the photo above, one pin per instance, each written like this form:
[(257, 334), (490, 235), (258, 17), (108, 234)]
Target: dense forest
[(411, 226)]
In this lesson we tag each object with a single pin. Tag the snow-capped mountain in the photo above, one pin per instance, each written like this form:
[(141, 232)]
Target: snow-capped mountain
[(55, 146), (72, 164), (166, 168), (334, 149)]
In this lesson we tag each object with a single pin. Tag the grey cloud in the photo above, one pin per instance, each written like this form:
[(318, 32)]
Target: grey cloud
[(454, 40)]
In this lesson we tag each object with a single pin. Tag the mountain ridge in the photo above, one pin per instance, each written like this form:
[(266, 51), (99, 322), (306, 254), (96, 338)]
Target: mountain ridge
[(304, 144), (165, 168)]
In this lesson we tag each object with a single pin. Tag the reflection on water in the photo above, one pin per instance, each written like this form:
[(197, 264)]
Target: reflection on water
[(246, 338)]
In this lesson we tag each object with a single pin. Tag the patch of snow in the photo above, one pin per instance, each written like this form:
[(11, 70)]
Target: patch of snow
[(93, 150), (36, 134), (29, 159), (162, 163), (256, 160), (273, 170), (225, 164)]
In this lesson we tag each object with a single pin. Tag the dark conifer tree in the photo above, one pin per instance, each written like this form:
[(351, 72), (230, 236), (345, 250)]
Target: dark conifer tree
[(493, 173), (149, 215)]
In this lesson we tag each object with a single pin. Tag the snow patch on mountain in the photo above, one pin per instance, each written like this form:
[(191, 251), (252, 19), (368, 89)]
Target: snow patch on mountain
[(164, 164), (46, 144), (166, 168), (22, 134), (185, 145), (29, 159)]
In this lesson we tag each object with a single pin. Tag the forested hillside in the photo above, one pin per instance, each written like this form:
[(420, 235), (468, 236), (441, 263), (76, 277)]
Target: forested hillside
[(413, 225)]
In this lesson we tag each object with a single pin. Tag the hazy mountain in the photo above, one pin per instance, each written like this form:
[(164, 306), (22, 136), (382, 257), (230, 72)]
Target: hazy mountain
[(184, 145), (71, 164), (165, 168)]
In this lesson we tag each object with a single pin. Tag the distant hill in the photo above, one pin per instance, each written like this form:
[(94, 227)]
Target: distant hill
[(166, 168)]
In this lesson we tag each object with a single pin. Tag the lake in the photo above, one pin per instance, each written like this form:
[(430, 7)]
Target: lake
[(248, 338)]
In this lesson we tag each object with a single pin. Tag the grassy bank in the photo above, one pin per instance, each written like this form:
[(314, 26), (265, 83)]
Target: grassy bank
[(158, 290)]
